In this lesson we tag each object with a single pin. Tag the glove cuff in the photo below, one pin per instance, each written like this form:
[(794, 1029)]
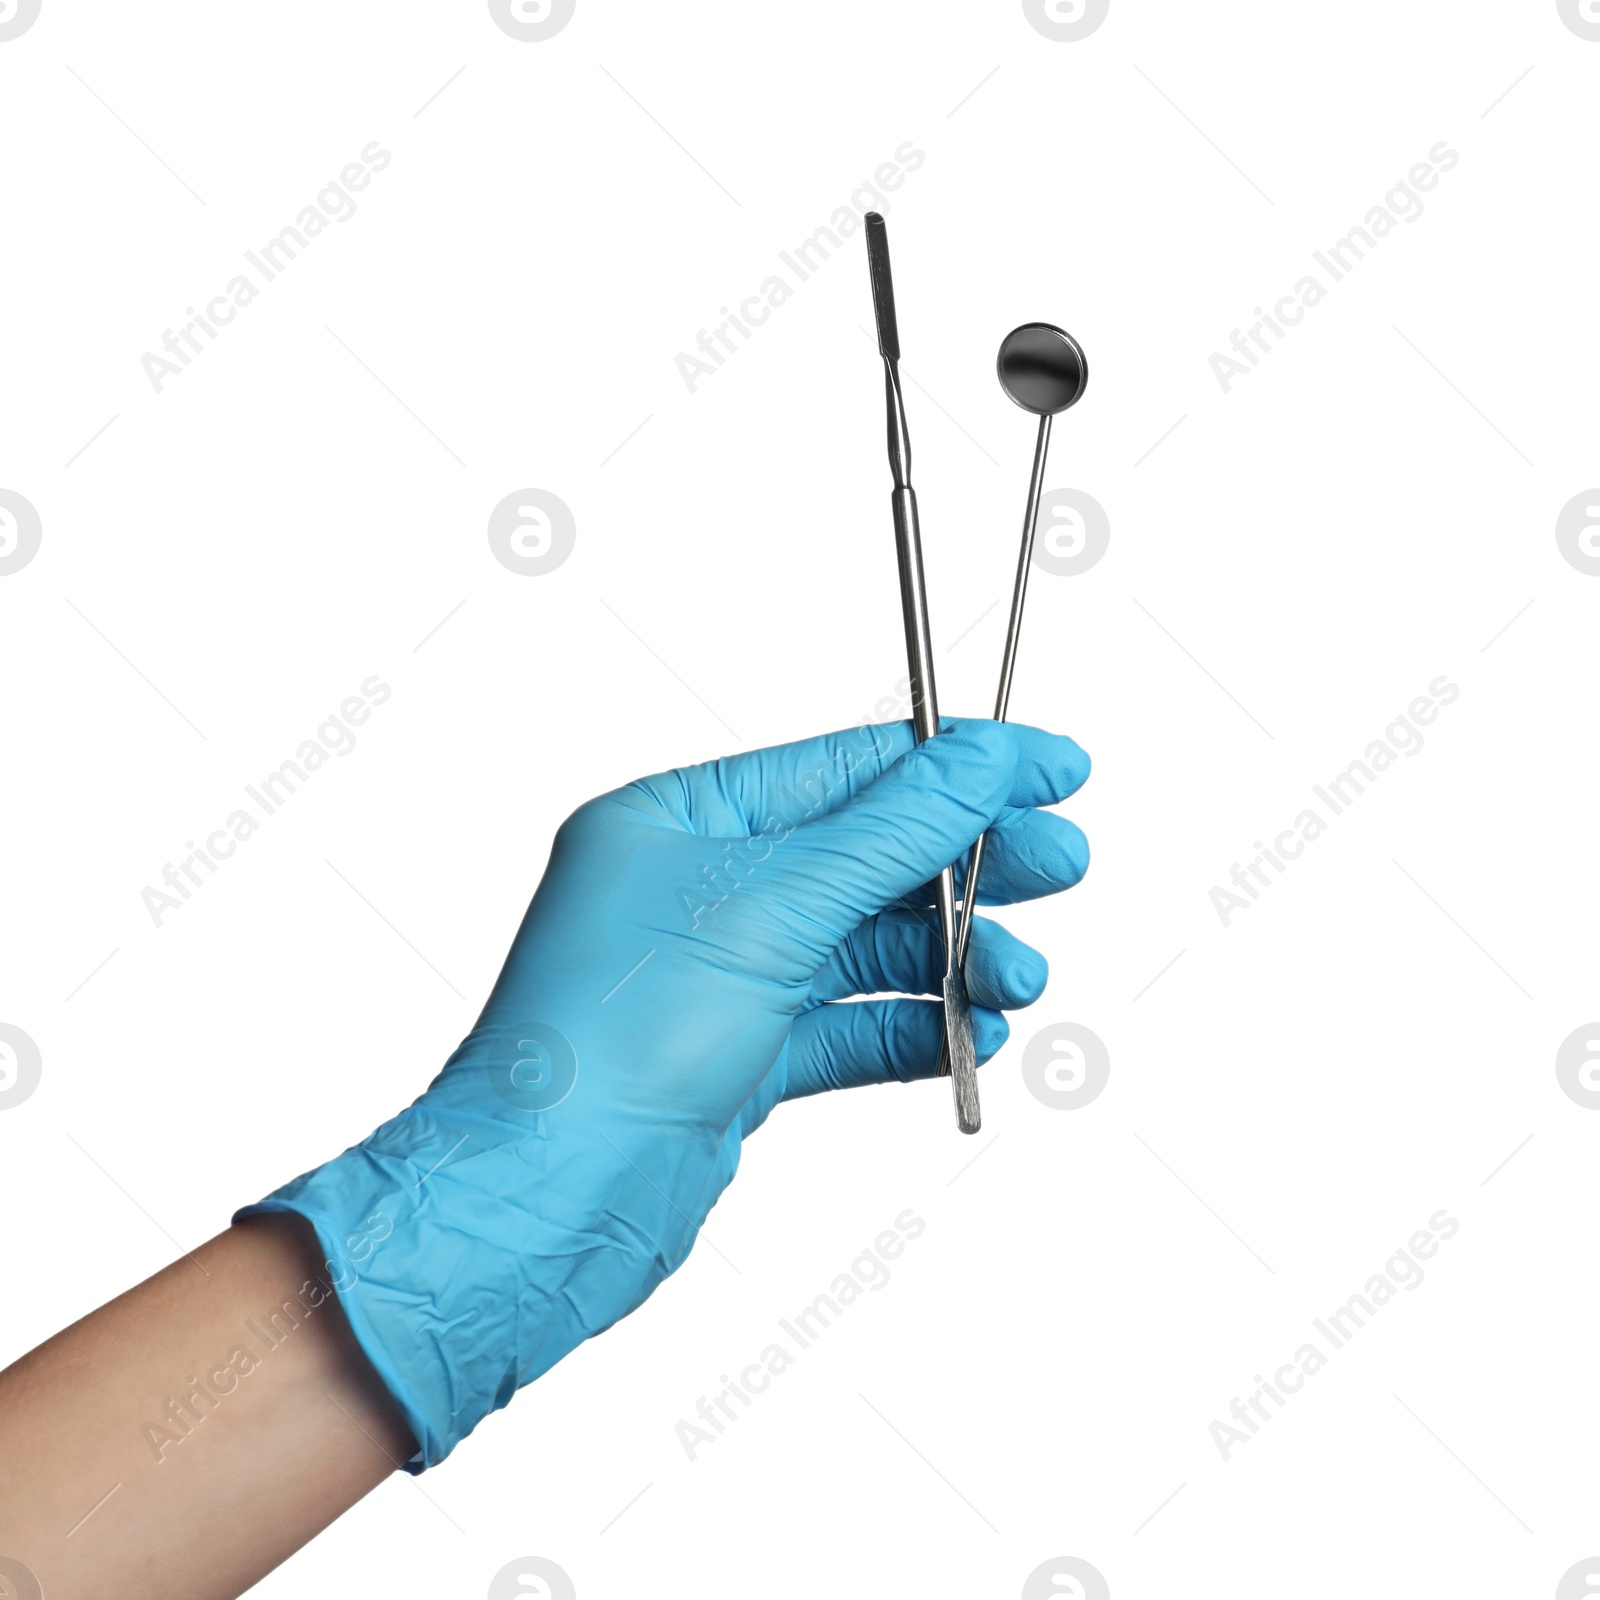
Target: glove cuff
[(471, 1253)]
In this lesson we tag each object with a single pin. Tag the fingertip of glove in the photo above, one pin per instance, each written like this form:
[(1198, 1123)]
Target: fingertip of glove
[(1029, 974), (990, 1030), (1075, 844), (984, 754), (1064, 763), (1041, 766)]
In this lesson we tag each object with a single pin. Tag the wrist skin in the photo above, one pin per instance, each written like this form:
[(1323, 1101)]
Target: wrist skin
[(192, 1434)]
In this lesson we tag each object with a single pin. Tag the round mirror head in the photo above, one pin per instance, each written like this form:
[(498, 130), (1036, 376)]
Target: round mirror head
[(1042, 368)]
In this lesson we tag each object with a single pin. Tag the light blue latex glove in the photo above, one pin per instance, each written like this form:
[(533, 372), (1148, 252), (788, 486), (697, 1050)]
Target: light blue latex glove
[(673, 980)]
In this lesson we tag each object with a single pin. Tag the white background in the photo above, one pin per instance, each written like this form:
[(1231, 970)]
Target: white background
[(1289, 1100)]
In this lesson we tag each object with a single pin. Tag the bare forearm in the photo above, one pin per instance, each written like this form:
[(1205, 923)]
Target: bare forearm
[(225, 1393)]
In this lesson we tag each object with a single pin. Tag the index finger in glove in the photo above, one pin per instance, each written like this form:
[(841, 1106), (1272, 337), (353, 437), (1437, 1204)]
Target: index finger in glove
[(903, 828)]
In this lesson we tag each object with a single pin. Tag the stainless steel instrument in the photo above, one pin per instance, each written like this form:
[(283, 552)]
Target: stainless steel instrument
[(1043, 369), (958, 1046)]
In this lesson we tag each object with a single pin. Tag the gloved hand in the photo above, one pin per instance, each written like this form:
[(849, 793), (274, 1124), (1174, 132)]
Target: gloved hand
[(673, 979)]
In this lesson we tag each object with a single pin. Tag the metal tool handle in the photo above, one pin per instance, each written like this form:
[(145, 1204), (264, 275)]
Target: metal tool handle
[(958, 1048), (919, 660), (914, 605), (956, 1056)]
